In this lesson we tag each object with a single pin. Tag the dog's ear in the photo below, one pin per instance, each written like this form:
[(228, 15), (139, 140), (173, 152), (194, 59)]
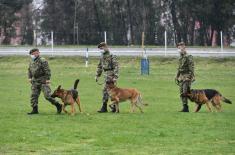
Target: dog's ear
[(59, 87)]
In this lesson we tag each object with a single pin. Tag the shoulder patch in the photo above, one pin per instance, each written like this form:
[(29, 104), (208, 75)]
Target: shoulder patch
[(190, 56), (114, 56), (43, 59)]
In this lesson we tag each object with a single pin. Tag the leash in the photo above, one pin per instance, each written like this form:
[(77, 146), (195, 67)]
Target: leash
[(101, 83)]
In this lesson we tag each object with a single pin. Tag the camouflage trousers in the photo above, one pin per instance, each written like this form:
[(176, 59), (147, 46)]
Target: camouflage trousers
[(36, 89), (105, 91), (185, 87), (105, 94)]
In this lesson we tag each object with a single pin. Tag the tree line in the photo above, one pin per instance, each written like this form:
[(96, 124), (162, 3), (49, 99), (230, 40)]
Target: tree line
[(196, 22)]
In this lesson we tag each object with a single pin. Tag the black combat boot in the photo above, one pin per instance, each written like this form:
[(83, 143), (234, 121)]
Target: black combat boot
[(34, 111), (112, 107), (185, 108), (59, 108), (103, 108)]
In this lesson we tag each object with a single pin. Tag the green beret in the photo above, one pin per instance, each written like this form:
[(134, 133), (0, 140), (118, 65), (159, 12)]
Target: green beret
[(102, 44), (33, 50), (180, 44)]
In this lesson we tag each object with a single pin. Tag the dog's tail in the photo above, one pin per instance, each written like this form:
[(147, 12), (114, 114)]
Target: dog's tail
[(225, 100), (76, 84), (140, 100)]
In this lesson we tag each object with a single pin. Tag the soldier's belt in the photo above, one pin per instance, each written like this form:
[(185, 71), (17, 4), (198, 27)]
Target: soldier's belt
[(39, 81), (184, 72), (40, 76), (108, 70)]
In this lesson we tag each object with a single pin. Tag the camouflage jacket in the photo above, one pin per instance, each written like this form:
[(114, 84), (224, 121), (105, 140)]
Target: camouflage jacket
[(109, 64), (39, 70), (186, 68)]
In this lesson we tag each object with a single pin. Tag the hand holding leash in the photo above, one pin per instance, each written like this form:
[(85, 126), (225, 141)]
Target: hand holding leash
[(114, 80), (176, 81), (193, 78), (96, 78)]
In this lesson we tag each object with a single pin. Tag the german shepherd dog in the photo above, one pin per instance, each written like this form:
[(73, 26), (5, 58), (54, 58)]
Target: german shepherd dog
[(118, 95), (68, 97), (204, 96)]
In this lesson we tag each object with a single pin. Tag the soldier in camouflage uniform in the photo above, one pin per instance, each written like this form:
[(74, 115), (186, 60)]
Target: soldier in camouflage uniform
[(109, 64), (185, 74), (39, 76)]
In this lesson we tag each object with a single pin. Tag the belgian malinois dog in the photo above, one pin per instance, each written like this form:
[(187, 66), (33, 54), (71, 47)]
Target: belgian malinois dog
[(68, 97), (118, 95), (205, 96)]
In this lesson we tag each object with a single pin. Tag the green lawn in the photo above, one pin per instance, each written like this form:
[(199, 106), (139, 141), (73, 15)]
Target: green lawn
[(160, 130)]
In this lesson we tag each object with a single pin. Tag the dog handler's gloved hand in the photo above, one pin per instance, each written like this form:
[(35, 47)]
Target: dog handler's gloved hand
[(114, 80), (192, 78), (176, 81)]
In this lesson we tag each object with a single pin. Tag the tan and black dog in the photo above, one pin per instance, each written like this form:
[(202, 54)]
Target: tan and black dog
[(118, 95), (68, 97), (205, 96)]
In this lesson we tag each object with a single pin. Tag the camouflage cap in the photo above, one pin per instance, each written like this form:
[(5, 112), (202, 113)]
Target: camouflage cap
[(180, 44), (33, 50), (102, 44)]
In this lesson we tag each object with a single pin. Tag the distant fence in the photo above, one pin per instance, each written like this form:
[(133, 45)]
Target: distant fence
[(128, 51), (104, 37)]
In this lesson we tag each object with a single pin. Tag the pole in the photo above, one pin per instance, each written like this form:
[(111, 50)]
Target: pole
[(142, 44), (87, 57), (221, 41), (77, 31), (144, 60), (52, 41), (105, 37), (165, 42), (34, 38), (75, 20)]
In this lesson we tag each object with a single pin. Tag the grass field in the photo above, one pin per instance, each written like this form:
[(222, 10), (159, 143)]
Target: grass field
[(160, 130)]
